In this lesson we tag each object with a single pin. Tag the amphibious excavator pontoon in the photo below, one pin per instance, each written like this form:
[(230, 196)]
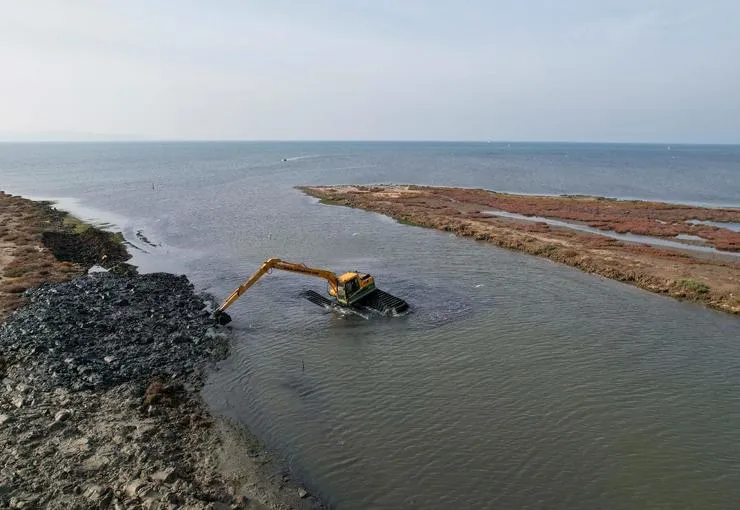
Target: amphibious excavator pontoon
[(349, 290)]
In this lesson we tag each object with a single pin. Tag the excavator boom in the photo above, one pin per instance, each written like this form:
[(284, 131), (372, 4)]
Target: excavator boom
[(285, 266), (349, 289)]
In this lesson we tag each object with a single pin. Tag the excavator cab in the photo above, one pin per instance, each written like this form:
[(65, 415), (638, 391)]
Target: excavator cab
[(351, 287)]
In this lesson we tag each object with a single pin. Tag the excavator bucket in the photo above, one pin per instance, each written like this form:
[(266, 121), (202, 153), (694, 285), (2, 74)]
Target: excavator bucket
[(221, 318), (378, 301)]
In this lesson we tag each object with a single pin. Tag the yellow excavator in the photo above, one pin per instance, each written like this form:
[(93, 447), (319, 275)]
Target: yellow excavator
[(349, 290)]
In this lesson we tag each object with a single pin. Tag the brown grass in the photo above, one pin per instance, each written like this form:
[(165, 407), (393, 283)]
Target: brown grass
[(24, 262), (31, 233)]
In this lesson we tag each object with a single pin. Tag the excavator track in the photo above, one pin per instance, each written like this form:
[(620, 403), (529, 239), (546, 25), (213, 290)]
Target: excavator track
[(318, 299), (378, 301), (382, 302)]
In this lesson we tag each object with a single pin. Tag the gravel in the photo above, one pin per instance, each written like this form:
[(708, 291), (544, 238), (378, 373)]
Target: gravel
[(101, 330), (99, 404)]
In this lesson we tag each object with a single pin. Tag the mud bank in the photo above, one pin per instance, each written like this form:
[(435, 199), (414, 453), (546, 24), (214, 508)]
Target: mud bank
[(39, 244), (100, 378), (711, 278)]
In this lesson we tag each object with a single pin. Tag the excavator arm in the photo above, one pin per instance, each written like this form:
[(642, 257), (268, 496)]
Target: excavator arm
[(269, 264)]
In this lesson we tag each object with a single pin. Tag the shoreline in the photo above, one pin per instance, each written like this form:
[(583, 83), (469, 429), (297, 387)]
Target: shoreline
[(40, 244), (130, 429), (711, 277)]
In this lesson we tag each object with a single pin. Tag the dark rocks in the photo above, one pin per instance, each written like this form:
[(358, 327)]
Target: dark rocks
[(101, 330), (99, 405)]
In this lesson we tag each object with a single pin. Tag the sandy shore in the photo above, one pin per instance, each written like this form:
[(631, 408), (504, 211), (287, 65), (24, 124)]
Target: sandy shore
[(101, 375), (708, 277)]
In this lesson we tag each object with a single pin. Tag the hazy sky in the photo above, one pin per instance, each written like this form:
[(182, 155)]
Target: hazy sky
[(626, 70)]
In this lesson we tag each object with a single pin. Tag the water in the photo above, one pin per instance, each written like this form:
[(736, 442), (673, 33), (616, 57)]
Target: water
[(634, 238), (735, 227), (516, 382)]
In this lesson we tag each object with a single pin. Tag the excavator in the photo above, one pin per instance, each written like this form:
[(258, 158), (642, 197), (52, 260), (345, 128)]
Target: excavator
[(349, 290)]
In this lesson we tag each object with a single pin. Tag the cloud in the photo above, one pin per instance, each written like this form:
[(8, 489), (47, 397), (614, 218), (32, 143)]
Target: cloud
[(381, 70)]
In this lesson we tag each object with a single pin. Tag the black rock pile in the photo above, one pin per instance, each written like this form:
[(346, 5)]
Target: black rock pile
[(102, 330)]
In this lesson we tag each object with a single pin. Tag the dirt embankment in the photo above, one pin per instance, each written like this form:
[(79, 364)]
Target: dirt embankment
[(41, 244), (709, 278), (100, 378)]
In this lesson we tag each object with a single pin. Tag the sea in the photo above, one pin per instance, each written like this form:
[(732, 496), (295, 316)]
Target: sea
[(515, 382)]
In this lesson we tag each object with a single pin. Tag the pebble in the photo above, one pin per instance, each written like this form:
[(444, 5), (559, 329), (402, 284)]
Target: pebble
[(132, 489), (93, 492), (17, 503), (62, 415), (166, 475)]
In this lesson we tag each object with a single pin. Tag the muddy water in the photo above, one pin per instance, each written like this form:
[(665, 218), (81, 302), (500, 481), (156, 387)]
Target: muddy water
[(634, 238), (514, 383), (720, 224)]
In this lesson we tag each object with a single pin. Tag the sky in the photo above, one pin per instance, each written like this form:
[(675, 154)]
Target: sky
[(537, 70)]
